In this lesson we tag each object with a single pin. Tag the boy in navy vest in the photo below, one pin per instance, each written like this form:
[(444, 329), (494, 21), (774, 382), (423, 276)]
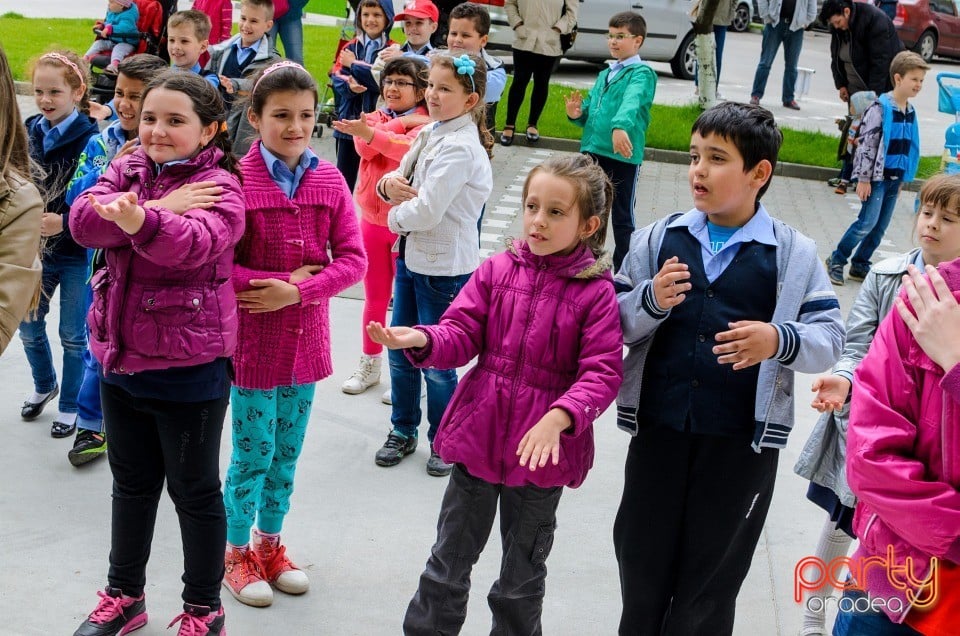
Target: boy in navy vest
[(887, 155), (719, 306)]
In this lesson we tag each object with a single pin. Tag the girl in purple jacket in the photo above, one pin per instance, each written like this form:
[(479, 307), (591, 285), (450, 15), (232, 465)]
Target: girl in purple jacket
[(163, 325), (542, 320)]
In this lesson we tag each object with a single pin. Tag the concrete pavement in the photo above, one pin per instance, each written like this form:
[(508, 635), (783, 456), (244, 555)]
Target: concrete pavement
[(362, 532)]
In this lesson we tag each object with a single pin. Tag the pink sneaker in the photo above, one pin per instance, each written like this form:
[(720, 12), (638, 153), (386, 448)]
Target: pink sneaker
[(114, 615), (199, 620), (278, 569), (243, 577)]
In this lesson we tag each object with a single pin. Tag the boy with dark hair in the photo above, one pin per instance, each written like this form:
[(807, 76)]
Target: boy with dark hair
[(469, 30), (887, 155), (719, 307), (117, 139), (373, 23), (187, 39), (615, 116)]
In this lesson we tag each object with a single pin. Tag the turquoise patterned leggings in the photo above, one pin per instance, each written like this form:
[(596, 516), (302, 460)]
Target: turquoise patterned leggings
[(268, 431)]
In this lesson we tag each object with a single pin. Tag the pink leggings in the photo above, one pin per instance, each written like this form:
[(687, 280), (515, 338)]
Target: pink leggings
[(378, 240)]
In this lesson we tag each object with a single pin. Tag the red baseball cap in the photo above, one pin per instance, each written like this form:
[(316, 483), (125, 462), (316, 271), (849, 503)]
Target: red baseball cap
[(419, 9)]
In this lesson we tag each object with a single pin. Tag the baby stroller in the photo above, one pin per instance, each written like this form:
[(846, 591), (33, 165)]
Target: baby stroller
[(327, 107), (151, 30), (948, 102)]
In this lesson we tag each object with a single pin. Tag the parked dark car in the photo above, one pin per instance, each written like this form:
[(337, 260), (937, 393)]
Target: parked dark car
[(929, 27)]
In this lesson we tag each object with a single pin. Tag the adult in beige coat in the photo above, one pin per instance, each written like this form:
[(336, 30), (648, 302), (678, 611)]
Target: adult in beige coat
[(537, 26), (20, 211)]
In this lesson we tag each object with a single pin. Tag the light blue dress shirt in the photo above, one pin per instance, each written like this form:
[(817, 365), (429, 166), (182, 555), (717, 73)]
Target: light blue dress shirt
[(288, 181), (759, 228), (243, 52), (52, 134), (615, 67)]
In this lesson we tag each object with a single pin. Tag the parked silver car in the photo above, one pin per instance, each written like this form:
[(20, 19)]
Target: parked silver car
[(669, 31)]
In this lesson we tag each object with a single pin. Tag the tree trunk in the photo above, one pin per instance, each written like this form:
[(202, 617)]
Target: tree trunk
[(706, 53)]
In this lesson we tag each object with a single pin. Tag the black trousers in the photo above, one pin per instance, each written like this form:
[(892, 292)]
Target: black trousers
[(348, 161), (153, 440), (528, 519), (624, 177), (525, 66), (692, 511)]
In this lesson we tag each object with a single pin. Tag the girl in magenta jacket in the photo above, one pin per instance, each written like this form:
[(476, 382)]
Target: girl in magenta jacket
[(302, 246), (903, 462), (163, 324), (381, 139), (542, 320)]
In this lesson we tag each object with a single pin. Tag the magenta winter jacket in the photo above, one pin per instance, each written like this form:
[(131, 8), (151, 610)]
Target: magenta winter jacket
[(546, 331), (903, 457), (165, 298)]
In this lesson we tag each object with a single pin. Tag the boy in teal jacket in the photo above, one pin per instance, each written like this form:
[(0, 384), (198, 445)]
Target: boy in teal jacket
[(615, 117)]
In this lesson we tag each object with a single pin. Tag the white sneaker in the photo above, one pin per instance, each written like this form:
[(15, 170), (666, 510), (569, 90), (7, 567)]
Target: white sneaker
[(366, 376), (387, 398)]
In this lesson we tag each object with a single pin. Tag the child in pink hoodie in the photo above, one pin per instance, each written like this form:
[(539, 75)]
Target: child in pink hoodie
[(381, 139), (542, 320)]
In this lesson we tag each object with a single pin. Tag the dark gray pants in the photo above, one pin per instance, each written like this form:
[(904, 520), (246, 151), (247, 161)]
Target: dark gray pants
[(528, 518)]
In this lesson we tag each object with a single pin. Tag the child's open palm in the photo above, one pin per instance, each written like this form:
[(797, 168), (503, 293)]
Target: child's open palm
[(832, 392), (542, 441), (574, 103), (396, 337)]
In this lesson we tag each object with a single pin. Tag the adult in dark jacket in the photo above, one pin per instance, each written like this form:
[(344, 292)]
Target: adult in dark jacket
[(862, 45)]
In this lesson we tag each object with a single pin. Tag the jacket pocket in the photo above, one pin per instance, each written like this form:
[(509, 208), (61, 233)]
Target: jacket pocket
[(169, 322), (97, 316), (432, 245)]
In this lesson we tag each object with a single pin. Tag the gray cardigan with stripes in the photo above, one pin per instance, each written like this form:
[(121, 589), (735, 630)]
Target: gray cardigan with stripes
[(807, 318)]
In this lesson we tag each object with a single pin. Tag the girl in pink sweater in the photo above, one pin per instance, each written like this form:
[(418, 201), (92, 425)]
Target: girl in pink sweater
[(381, 139), (302, 246)]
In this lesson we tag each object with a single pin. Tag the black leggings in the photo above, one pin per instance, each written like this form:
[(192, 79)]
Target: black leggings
[(149, 441), (525, 66)]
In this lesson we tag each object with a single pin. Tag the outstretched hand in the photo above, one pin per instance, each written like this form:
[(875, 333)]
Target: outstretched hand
[(831, 393), (936, 323), (542, 441), (396, 337), (124, 211)]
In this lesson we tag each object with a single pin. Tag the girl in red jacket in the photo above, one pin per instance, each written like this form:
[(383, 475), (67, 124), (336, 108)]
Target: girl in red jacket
[(302, 246), (542, 319), (381, 139)]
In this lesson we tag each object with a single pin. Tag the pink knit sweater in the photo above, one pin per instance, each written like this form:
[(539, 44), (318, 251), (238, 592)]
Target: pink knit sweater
[(318, 227)]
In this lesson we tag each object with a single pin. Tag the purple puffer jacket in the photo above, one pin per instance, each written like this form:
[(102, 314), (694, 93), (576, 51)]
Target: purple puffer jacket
[(547, 333), (903, 462), (165, 298)]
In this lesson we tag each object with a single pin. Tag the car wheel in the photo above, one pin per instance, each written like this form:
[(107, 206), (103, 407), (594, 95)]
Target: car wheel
[(684, 63), (741, 18), (926, 46)]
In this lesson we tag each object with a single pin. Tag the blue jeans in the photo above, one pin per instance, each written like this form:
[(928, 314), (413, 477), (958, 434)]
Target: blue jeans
[(773, 37), (853, 620), (290, 30), (868, 229), (70, 274), (420, 300)]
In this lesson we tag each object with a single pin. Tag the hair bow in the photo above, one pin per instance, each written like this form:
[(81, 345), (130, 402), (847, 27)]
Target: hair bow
[(466, 66)]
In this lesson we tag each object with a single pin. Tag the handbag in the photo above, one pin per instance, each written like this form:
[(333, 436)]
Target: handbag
[(567, 39)]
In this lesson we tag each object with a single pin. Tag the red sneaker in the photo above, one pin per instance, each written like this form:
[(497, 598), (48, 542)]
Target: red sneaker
[(279, 570), (243, 578)]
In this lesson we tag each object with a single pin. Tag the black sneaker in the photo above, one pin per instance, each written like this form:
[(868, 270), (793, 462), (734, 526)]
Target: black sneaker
[(858, 274), (199, 620), (834, 272), (395, 448), (87, 446), (114, 615), (436, 466)]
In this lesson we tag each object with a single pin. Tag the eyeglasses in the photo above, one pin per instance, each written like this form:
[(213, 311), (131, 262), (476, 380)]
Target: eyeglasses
[(619, 36), (401, 84)]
